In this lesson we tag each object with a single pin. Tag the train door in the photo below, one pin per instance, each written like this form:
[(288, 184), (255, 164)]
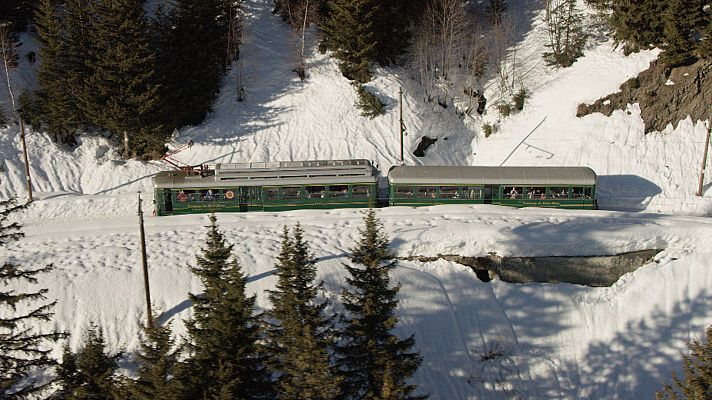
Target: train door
[(244, 198), (167, 201), (490, 192)]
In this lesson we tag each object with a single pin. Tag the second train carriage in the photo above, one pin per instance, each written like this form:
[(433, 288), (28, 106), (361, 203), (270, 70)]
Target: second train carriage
[(555, 187), (267, 186)]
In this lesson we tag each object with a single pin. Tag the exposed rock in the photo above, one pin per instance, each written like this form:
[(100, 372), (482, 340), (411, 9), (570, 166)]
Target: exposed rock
[(666, 96), (583, 270), (425, 142)]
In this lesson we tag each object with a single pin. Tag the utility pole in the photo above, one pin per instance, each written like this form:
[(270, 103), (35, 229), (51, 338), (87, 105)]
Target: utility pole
[(704, 160), (27, 162), (146, 287), (402, 125)]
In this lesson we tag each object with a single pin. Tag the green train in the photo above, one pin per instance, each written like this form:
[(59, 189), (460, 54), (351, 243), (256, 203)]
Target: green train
[(291, 185)]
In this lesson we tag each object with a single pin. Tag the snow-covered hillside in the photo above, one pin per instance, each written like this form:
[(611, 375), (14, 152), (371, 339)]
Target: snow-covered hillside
[(557, 340)]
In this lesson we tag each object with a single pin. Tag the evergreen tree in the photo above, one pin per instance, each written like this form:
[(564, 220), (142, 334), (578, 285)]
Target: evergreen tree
[(57, 113), (494, 11), (678, 29), (352, 36), (79, 56), (159, 369), (696, 383), (375, 363), (22, 347), (299, 334), (393, 22), (637, 24), (121, 95), (704, 47), (88, 374), (227, 359), (191, 59)]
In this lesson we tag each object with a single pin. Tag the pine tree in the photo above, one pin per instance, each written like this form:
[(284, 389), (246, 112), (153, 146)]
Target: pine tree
[(637, 24), (299, 334), (393, 24), (678, 28), (696, 383), (88, 374), (121, 95), (57, 114), (79, 56), (704, 47), (227, 359), (22, 347), (192, 59), (352, 36), (375, 363), (159, 368)]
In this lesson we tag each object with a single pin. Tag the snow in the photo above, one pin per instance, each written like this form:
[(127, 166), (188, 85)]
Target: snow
[(557, 340)]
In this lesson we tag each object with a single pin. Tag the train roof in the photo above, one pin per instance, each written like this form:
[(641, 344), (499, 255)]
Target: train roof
[(476, 175), (271, 173)]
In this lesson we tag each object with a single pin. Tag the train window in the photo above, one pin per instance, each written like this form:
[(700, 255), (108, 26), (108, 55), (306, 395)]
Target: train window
[(513, 192), (255, 193), (581, 193), (588, 192), (271, 193), (360, 191), (292, 192), (338, 191), (403, 191), (425, 192), (535, 193), (449, 192), (316, 192), (209, 195), (472, 192), (557, 193)]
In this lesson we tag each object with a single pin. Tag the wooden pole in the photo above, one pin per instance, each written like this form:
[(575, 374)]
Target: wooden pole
[(28, 179), (704, 161), (146, 287), (401, 128)]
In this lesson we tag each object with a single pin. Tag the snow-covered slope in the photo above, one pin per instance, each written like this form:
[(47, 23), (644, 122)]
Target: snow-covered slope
[(557, 341)]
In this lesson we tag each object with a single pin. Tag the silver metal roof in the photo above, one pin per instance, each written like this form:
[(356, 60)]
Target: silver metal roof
[(472, 175), (271, 173)]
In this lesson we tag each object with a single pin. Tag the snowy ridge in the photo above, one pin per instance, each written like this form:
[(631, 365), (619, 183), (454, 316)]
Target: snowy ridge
[(556, 341)]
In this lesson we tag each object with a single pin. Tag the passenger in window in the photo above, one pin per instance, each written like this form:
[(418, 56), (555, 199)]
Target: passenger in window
[(182, 197), (513, 193)]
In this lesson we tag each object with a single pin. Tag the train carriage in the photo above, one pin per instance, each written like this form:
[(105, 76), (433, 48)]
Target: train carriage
[(271, 186), (559, 187)]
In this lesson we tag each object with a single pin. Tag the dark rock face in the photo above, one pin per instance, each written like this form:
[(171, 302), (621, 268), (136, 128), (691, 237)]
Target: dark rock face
[(662, 104), (425, 142)]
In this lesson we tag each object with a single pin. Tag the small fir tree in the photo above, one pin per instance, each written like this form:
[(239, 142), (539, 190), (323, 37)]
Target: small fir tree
[(352, 36), (375, 363), (696, 383), (23, 349), (637, 24), (227, 359), (159, 368), (299, 334), (90, 373), (79, 55), (369, 104), (566, 34)]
